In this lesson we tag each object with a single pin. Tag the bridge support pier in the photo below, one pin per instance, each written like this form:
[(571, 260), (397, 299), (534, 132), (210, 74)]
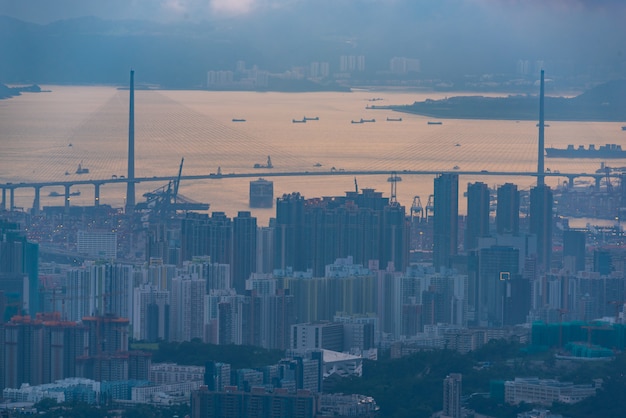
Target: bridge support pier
[(11, 199), (597, 179), (3, 204), (570, 182), (96, 198), (36, 204), (67, 199)]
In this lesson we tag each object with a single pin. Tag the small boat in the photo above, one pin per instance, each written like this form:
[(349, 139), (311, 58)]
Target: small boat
[(545, 125), (457, 145), (456, 167), (357, 121), (624, 128), (239, 120), (394, 119), (317, 165), (56, 194), (69, 145), (298, 120), (315, 118), (435, 122), (81, 169), (368, 120)]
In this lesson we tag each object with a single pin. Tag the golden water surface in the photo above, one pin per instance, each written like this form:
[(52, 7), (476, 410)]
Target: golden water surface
[(36, 131)]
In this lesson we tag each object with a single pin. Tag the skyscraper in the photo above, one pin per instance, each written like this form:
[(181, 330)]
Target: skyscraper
[(477, 224), (507, 211), (541, 202), (446, 215), (574, 247), (244, 250), (19, 268), (313, 233), (452, 386), (497, 266), (288, 244)]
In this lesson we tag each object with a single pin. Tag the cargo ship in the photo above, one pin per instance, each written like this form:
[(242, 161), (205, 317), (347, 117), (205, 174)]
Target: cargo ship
[(604, 151)]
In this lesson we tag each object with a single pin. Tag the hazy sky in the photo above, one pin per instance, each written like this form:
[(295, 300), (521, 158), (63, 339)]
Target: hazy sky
[(524, 12), (444, 34)]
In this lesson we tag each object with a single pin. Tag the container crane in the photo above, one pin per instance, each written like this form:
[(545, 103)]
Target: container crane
[(417, 209)]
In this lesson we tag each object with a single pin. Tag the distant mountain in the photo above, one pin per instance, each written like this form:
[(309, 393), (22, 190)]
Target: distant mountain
[(452, 39), (7, 92), (606, 102)]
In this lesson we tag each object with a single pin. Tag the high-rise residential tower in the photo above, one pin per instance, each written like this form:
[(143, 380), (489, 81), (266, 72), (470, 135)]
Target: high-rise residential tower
[(446, 205), (507, 211), (477, 224), (244, 250), (541, 217)]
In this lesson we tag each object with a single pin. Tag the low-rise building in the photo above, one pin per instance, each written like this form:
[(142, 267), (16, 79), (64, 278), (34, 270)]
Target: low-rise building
[(546, 391)]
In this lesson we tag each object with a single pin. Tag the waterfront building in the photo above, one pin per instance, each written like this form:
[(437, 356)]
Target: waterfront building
[(446, 208), (261, 193)]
